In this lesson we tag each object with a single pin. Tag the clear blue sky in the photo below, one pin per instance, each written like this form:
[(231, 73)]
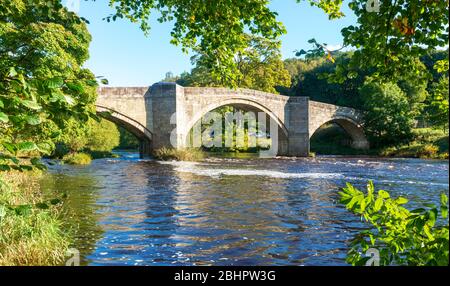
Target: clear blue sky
[(120, 52)]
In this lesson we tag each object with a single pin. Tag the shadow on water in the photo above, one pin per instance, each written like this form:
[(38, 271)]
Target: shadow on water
[(227, 211), (80, 208)]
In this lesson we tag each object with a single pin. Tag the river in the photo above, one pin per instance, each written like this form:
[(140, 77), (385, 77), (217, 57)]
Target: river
[(283, 211)]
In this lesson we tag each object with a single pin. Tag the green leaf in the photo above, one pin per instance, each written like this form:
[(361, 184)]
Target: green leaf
[(432, 217), (4, 167), (352, 75), (427, 231), (26, 146), (1, 104), (444, 212), (70, 100), (300, 53), (3, 117), (36, 162), (55, 201), (370, 188), (33, 119), (57, 95), (42, 206), (75, 87), (10, 158), (55, 83), (2, 211), (444, 199), (10, 147), (22, 210), (378, 204), (31, 104), (12, 72), (383, 194), (45, 147), (401, 201)]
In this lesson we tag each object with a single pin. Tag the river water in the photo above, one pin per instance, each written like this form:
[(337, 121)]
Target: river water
[(129, 211)]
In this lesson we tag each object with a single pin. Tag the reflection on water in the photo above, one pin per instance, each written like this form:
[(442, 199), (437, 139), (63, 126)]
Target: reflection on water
[(228, 211)]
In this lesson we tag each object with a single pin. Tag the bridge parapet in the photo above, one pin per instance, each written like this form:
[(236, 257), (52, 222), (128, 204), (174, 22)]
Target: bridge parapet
[(122, 92), (219, 91)]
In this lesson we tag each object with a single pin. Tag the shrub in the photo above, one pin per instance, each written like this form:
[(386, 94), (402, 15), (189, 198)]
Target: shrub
[(402, 237), (428, 151), (425, 135), (415, 150), (77, 159), (190, 154), (104, 136)]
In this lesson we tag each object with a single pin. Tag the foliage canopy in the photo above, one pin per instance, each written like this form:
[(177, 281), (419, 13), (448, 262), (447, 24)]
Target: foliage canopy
[(401, 236), (42, 83)]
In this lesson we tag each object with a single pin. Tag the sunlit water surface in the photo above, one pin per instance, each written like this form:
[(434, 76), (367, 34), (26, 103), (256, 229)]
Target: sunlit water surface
[(228, 211)]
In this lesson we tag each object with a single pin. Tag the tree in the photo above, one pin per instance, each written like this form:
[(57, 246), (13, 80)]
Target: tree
[(74, 137), (103, 137), (170, 77), (389, 44), (387, 41), (439, 104), (391, 40), (214, 28), (127, 140), (311, 78), (42, 83), (388, 118), (437, 110), (259, 67)]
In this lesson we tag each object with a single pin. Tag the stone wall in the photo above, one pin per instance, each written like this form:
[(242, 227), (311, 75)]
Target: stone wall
[(169, 111)]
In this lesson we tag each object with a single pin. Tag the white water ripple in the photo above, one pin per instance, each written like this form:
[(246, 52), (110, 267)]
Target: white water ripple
[(202, 170)]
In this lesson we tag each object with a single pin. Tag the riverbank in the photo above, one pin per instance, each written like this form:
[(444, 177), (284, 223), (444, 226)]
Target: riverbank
[(31, 227), (427, 144)]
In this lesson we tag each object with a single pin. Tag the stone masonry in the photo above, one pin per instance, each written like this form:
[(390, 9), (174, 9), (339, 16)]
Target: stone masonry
[(166, 110)]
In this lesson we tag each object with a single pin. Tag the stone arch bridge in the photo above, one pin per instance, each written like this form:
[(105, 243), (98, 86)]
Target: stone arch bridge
[(155, 114)]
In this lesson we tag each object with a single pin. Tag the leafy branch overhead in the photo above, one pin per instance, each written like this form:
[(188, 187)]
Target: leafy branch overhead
[(42, 83), (215, 29), (387, 40)]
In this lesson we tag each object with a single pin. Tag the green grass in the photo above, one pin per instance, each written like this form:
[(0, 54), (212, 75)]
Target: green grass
[(77, 159), (30, 234), (190, 154), (428, 143), (102, 154)]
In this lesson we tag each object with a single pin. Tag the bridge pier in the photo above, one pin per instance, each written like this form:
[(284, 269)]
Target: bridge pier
[(298, 126), (145, 148)]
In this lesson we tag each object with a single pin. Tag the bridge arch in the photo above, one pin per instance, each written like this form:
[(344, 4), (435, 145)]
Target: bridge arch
[(351, 126), (144, 135), (247, 105)]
